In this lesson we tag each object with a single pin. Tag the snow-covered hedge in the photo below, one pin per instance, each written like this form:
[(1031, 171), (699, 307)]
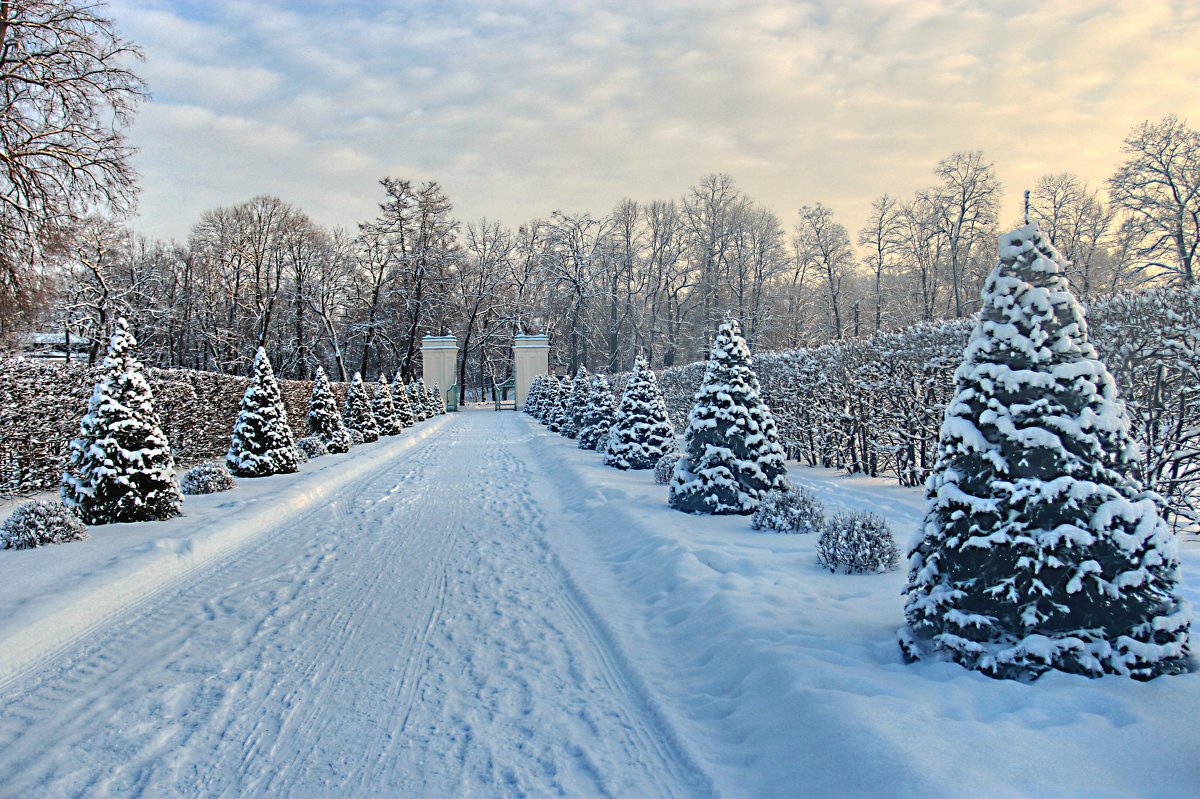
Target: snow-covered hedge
[(875, 405), (311, 447), (41, 404), (207, 478), (857, 543), (40, 522), (795, 510)]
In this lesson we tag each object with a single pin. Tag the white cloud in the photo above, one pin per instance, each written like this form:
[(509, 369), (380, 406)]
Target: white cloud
[(519, 108)]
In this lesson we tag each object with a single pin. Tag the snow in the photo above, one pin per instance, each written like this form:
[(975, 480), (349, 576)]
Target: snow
[(478, 607)]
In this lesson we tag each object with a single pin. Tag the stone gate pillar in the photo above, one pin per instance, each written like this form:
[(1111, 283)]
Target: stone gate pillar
[(531, 357), (439, 364)]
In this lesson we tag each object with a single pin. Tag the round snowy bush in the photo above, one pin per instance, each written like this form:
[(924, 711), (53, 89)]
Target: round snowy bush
[(857, 543), (356, 436), (40, 522), (207, 478), (666, 467), (793, 510), (311, 447)]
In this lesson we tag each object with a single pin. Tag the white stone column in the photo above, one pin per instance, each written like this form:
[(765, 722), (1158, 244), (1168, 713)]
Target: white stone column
[(439, 363), (531, 357)]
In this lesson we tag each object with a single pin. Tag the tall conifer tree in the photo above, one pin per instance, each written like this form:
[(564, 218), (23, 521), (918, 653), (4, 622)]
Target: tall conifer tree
[(1040, 549), (384, 410), (641, 432), (357, 413), (262, 442), (324, 421), (732, 453), (120, 468), (599, 414)]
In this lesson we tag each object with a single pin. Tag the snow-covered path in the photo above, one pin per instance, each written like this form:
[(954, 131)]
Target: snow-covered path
[(416, 636)]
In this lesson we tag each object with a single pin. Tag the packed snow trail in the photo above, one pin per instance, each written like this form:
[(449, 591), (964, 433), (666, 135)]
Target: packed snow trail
[(416, 636)]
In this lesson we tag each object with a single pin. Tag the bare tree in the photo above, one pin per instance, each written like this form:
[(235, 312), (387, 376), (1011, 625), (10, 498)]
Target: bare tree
[(1076, 221), (823, 246), (970, 196), (882, 236), (66, 96), (1158, 187)]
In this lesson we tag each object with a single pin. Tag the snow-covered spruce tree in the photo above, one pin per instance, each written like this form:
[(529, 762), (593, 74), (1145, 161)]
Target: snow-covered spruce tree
[(262, 438), (414, 402), (1040, 549), (426, 399), (641, 432), (531, 397), (384, 410), (404, 412), (120, 468), (324, 421), (546, 398), (599, 414), (439, 400), (562, 399), (576, 404), (732, 453), (357, 413)]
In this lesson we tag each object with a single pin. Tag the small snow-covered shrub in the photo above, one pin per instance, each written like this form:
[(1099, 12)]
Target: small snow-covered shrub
[(356, 436), (794, 510), (41, 522), (207, 478), (311, 447), (666, 467), (857, 543)]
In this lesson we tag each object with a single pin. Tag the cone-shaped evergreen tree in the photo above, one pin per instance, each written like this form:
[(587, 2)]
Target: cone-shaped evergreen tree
[(425, 399), (1040, 550), (576, 403), (598, 415), (384, 410), (562, 400), (547, 399), (531, 397), (404, 412), (641, 432), (262, 441), (357, 413), (414, 402), (324, 421), (120, 468), (732, 453), (439, 401)]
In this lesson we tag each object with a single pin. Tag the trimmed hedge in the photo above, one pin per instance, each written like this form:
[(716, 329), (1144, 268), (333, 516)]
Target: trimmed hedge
[(41, 404)]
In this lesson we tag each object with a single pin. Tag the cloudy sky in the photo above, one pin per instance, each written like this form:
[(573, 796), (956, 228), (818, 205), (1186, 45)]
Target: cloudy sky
[(522, 107)]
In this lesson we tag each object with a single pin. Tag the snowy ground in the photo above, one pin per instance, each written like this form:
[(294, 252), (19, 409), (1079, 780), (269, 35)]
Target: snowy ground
[(480, 609)]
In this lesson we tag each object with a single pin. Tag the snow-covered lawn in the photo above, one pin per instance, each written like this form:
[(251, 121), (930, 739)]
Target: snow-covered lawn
[(487, 610)]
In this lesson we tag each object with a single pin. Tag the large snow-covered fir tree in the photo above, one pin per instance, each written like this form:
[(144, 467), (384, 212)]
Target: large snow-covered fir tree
[(324, 421), (598, 415), (731, 448), (384, 410), (357, 413), (557, 415), (1040, 549), (576, 404), (120, 468), (404, 412), (641, 432), (262, 442)]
